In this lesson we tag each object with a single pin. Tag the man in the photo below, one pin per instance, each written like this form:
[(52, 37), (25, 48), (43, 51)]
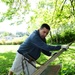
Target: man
[(32, 48)]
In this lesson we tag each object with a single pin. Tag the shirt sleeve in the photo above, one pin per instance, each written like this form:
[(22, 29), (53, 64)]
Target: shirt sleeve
[(36, 40), (48, 53)]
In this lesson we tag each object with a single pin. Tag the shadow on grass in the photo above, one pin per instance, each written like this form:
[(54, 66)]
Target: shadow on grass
[(6, 60)]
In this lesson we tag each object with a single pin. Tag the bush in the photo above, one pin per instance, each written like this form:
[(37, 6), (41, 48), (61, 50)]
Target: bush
[(2, 42), (8, 42), (64, 37), (15, 41)]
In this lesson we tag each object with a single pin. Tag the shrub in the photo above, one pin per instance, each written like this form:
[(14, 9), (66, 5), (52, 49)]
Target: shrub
[(2, 42), (8, 42), (15, 41), (64, 37)]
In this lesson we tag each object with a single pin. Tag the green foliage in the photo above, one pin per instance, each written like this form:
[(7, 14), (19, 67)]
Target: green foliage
[(8, 42), (64, 34), (2, 42), (8, 2), (66, 37), (14, 8), (67, 61), (9, 14), (40, 16), (2, 19), (5, 62), (17, 41), (53, 12)]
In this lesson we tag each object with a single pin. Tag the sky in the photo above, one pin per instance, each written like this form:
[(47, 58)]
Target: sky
[(3, 7), (5, 26), (12, 28)]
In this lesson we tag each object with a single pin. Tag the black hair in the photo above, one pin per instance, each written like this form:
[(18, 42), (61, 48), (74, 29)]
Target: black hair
[(45, 25)]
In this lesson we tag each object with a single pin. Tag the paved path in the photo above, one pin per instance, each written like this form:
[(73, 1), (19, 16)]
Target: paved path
[(8, 48)]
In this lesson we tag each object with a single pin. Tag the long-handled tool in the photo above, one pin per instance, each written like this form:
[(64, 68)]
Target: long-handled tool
[(43, 67)]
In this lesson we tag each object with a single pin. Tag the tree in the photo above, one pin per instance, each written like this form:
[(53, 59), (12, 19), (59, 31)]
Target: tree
[(57, 13), (16, 8)]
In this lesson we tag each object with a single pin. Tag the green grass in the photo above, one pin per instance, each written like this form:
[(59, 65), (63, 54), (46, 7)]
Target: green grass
[(67, 59), (5, 62), (7, 55), (8, 52), (73, 44)]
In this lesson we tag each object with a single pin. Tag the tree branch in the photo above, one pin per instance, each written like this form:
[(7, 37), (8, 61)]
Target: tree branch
[(62, 6)]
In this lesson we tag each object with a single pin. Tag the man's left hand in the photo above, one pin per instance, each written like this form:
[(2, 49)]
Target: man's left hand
[(65, 47)]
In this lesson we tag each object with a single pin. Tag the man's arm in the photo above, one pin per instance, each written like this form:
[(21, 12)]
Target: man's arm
[(36, 40), (48, 53)]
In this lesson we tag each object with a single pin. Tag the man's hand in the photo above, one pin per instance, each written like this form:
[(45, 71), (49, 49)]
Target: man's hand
[(65, 47), (54, 53)]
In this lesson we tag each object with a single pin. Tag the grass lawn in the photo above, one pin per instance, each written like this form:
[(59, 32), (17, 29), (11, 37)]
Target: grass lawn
[(8, 52), (7, 55)]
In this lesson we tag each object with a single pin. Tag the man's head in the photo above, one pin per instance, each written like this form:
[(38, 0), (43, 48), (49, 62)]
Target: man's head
[(44, 30)]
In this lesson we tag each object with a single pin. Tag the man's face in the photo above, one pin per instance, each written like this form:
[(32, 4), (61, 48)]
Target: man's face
[(43, 32)]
